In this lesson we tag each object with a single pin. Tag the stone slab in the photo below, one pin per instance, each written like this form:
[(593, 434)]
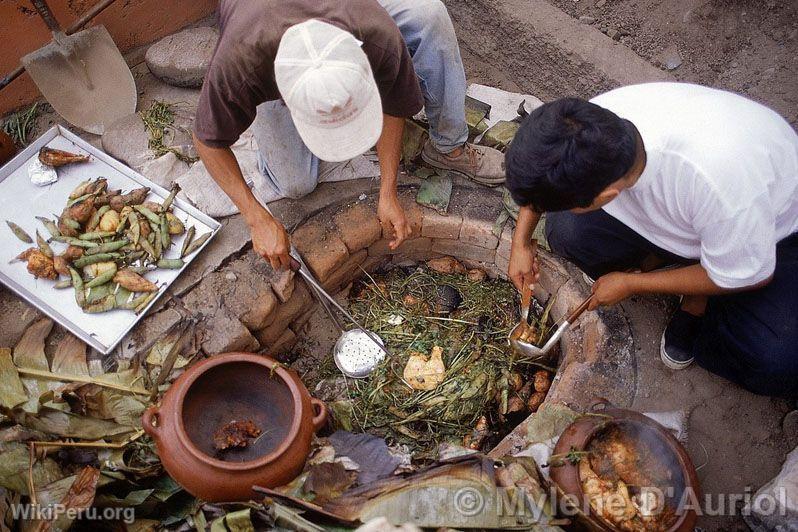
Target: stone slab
[(182, 59)]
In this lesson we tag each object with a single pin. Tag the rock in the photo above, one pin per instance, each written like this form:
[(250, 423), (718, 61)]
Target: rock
[(446, 265), (669, 58), (182, 59), (585, 19), (322, 250), (601, 3), (332, 389), (164, 169), (347, 272), (127, 140), (437, 225), (358, 226), (223, 333), (282, 282), (614, 34)]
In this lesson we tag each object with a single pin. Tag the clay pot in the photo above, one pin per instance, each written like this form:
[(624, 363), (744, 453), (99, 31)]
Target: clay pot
[(578, 436), (7, 148), (216, 391)]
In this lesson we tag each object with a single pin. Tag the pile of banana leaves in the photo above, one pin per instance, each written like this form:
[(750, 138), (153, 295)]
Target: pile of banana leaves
[(70, 432)]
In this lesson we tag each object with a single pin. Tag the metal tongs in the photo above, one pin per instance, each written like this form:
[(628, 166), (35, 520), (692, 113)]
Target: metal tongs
[(351, 361)]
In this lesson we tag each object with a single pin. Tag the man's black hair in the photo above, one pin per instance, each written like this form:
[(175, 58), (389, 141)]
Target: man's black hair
[(566, 152)]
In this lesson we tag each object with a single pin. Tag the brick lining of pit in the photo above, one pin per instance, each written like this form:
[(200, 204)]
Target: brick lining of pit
[(246, 306)]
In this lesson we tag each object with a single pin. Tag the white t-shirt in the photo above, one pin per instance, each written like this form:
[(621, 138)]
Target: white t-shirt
[(721, 178)]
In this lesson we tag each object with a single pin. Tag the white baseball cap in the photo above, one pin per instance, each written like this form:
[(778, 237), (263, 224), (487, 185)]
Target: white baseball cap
[(326, 82)]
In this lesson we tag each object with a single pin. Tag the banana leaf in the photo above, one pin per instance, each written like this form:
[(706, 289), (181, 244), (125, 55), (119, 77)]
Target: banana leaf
[(12, 392), (435, 192), (67, 425), (70, 357), (79, 496), (29, 351), (15, 464), (500, 134), (8, 499), (238, 521)]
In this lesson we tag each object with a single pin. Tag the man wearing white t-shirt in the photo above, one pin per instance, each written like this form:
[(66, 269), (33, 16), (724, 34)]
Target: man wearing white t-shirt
[(674, 173)]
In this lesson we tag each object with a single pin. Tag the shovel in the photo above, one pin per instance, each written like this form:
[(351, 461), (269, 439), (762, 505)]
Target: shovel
[(83, 75)]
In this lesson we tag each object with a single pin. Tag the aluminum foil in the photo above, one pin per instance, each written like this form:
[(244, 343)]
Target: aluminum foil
[(41, 174)]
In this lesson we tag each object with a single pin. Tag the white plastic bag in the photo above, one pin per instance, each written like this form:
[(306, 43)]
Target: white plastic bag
[(775, 505)]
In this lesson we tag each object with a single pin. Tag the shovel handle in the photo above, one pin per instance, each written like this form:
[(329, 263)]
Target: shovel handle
[(46, 14)]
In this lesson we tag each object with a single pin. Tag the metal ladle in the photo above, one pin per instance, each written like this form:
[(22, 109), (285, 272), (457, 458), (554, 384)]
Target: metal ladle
[(531, 351), (349, 354)]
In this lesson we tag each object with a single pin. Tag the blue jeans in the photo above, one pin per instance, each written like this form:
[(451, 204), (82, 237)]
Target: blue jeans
[(747, 337), (293, 171)]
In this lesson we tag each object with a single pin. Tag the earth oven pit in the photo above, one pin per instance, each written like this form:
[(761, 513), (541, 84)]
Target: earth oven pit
[(342, 240)]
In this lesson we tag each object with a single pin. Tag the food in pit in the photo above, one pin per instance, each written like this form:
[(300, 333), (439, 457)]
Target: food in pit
[(235, 435), (624, 481), (483, 391), (537, 332), (425, 373), (110, 240)]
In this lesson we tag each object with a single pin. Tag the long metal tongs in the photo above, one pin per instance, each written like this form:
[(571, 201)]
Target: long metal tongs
[(298, 265)]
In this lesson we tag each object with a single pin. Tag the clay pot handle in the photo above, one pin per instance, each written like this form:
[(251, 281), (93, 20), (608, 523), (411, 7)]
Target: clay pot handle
[(150, 415), (599, 404), (321, 414)]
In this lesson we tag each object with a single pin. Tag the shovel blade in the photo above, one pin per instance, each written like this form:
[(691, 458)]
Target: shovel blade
[(85, 78)]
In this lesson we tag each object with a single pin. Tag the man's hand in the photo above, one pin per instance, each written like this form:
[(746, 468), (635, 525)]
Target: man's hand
[(612, 288), (392, 217), (524, 268), (269, 239)]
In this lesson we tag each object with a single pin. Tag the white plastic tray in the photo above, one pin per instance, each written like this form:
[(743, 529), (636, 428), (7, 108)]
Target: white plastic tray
[(21, 201)]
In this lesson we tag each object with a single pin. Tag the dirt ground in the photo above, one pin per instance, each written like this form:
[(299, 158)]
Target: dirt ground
[(746, 47)]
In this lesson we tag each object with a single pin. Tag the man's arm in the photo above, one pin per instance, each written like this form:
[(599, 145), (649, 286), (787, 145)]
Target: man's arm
[(269, 238), (688, 281), (389, 151), (523, 268)]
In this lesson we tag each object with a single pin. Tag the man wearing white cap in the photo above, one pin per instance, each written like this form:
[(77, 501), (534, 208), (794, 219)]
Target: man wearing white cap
[(327, 80)]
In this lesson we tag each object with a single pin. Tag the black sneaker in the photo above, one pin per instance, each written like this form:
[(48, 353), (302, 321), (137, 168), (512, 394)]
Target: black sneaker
[(676, 346)]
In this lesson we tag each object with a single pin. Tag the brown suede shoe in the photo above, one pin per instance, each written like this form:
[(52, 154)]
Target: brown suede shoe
[(479, 163)]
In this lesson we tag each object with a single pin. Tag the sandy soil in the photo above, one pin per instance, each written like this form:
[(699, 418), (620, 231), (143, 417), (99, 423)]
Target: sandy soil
[(746, 47)]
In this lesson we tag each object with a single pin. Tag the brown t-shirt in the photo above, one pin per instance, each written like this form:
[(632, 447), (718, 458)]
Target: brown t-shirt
[(241, 72)]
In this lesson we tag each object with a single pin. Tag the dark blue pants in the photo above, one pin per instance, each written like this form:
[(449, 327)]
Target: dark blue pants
[(748, 337)]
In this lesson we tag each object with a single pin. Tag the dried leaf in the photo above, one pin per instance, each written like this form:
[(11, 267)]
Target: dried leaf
[(370, 451), (233, 522), (327, 481), (8, 499), (12, 393), (67, 425), (14, 468), (79, 497), (70, 357), (29, 351), (132, 499)]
